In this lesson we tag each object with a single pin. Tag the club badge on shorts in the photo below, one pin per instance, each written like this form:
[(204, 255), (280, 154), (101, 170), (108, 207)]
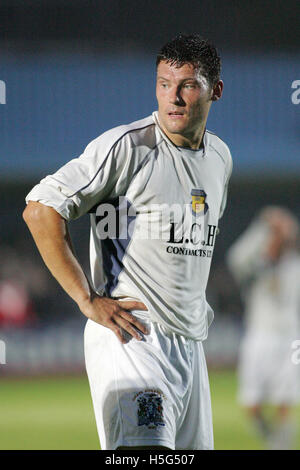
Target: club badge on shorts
[(150, 408), (199, 206)]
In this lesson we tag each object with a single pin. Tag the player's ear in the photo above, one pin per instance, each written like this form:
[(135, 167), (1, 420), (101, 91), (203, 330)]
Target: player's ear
[(217, 90)]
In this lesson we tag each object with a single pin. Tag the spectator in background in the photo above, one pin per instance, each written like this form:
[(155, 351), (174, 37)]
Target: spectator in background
[(16, 306), (266, 264)]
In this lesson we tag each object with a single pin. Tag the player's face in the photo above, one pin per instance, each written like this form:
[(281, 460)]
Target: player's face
[(184, 98)]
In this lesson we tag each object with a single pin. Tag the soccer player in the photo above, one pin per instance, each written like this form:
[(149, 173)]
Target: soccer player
[(265, 262), (155, 190)]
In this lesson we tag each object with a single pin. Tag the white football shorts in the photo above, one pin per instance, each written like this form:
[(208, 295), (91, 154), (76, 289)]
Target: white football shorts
[(153, 392), (266, 371)]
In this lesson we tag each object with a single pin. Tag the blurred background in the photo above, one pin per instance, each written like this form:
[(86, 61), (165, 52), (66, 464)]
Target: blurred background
[(71, 70)]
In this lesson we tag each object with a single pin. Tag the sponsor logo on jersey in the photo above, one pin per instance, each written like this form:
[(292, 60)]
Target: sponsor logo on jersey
[(150, 408), (198, 204), (188, 224), (193, 232)]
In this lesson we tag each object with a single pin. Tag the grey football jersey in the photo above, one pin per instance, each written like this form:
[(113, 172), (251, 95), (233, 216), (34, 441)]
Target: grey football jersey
[(270, 290), (154, 216)]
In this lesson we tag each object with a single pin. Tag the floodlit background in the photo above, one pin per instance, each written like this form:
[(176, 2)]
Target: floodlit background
[(71, 70)]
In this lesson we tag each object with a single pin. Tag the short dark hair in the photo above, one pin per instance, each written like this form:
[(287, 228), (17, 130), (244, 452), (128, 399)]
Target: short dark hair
[(192, 49)]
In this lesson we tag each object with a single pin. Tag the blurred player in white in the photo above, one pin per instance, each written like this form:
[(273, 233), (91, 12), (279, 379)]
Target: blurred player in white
[(146, 369), (266, 264)]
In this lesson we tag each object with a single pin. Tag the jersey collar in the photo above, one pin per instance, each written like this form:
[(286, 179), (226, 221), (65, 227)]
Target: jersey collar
[(180, 149)]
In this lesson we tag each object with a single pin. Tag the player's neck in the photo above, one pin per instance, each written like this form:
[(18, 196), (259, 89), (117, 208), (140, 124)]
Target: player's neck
[(193, 140)]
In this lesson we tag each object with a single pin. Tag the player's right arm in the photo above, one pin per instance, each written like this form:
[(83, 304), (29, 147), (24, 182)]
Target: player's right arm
[(101, 173), (50, 232)]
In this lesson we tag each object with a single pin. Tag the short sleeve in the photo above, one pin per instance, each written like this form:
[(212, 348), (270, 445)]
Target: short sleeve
[(228, 173), (100, 173)]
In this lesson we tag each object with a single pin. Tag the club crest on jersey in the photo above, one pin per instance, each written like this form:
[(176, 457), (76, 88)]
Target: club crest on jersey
[(150, 409), (198, 204)]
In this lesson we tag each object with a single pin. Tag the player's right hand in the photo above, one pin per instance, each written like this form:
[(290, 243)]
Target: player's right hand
[(115, 315)]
